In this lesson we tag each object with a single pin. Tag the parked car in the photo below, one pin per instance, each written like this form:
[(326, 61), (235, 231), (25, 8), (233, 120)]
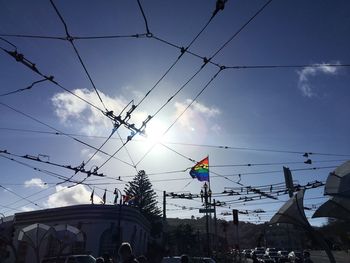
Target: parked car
[(70, 259)]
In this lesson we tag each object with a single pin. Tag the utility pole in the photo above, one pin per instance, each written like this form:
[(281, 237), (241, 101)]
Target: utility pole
[(215, 227), (164, 205), (206, 195), (235, 223)]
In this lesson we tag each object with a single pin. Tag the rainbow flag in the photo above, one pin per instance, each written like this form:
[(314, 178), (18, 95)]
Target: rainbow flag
[(201, 170)]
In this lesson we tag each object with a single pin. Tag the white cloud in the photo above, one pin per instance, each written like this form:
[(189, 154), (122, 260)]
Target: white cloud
[(27, 208), (198, 116), (65, 196), (86, 154), (72, 110), (307, 72), (35, 182)]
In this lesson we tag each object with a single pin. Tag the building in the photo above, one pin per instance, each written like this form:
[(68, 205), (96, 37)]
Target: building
[(103, 228)]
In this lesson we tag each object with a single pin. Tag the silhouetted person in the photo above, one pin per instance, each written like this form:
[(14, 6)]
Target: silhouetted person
[(125, 253), (142, 259), (100, 260), (184, 259)]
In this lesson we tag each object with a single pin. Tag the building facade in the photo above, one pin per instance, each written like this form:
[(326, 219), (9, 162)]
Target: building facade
[(103, 228)]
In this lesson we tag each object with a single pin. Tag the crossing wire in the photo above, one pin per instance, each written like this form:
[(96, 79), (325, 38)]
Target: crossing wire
[(70, 40), (65, 134), (182, 49), (53, 174), (23, 89), (201, 68), (21, 59), (14, 193), (205, 62), (224, 147), (162, 77)]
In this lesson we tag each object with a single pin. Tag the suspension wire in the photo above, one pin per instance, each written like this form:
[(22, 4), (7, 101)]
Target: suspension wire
[(64, 38), (255, 149), (20, 58), (191, 145), (287, 66), (70, 40), (158, 112), (77, 169), (128, 153), (60, 132), (183, 51), (240, 29), (14, 193), (182, 113), (23, 89), (28, 196), (204, 64), (144, 17), (53, 174)]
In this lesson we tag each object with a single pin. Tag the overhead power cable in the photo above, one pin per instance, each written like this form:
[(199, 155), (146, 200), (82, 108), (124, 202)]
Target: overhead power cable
[(170, 99), (183, 50), (64, 38), (117, 120), (23, 89), (144, 16), (76, 169), (14, 193), (52, 174), (70, 40), (21, 59), (65, 134), (189, 144), (205, 62)]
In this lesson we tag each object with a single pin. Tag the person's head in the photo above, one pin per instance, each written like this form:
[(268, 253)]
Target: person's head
[(124, 251), (100, 260), (184, 259)]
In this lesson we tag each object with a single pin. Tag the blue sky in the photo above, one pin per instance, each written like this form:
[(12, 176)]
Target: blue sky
[(291, 109)]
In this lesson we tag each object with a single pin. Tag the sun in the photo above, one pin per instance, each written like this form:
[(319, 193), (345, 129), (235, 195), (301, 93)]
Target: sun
[(154, 132)]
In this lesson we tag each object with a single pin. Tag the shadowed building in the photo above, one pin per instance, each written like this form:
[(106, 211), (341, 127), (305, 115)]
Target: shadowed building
[(103, 228)]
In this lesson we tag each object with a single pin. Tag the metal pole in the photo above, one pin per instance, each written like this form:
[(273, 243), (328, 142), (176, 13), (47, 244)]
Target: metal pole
[(207, 218), (215, 227), (164, 205)]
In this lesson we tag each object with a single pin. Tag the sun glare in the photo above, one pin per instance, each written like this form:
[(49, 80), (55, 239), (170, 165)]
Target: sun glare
[(154, 132)]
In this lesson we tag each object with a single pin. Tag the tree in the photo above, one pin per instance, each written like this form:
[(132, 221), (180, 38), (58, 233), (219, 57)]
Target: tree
[(144, 197)]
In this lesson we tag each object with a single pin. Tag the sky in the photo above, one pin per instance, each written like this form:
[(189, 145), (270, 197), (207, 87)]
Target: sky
[(291, 110)]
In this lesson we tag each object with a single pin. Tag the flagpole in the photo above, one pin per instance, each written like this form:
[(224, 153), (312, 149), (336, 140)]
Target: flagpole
[(209, 224)]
